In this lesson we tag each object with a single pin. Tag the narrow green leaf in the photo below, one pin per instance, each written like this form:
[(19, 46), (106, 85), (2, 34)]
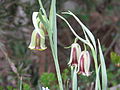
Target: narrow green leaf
[(96, 68), (52, 16), (103, 68), (86, 36), (42, 8), (53, 24), (97, 80), (73, 31), (81, 39), (84, 28), (53, 40)]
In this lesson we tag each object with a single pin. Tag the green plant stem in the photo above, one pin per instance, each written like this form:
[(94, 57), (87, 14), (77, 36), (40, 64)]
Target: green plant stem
[(74, 79), (56, 65), (20, 83)]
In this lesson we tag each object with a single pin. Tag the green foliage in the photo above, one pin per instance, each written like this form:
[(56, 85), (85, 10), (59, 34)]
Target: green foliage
[(103, 48), (48, 79), (1, 88), (84, 81), (115, 58), (18, 48), (9, 87), (26, 86), (110, 7), (113, 75), (65, 74), (66, 77)]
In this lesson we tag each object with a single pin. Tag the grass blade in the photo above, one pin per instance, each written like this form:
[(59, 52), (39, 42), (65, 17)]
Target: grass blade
[(103, 68)]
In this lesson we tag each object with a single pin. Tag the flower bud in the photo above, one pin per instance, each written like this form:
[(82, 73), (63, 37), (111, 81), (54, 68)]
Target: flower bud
[(75, 51), (84, 63)]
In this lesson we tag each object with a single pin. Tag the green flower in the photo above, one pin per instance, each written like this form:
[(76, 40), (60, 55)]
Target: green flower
[(37, 41), (38, 35)]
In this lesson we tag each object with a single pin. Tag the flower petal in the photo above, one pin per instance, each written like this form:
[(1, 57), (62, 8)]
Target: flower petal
[(87, 62), (34, 20), (33, 38)]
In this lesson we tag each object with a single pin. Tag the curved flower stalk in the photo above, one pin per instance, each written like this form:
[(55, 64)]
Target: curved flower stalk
[(85, 30), (84, 63), (75, 51), (90, 41), (38, 34)]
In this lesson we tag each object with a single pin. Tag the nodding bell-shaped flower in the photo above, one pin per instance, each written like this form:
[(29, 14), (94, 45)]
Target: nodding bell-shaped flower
[(38, 35), (37, 41), (84, 63), (75, 52)]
